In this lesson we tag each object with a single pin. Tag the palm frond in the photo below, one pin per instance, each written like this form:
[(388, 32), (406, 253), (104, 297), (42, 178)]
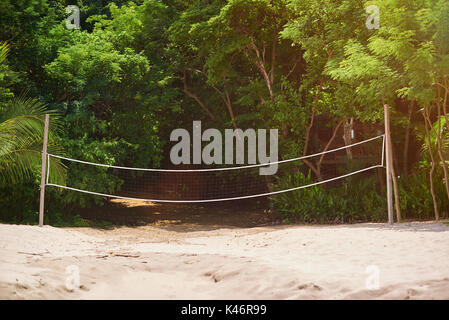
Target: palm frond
[(22, 123), (4, 49)]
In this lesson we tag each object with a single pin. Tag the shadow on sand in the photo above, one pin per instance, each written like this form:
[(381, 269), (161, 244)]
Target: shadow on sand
[(192, 217)]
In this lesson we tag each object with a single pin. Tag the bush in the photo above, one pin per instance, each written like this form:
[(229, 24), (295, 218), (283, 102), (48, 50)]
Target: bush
[(356, 200), (19, 201), (415, 198), (19, 204)]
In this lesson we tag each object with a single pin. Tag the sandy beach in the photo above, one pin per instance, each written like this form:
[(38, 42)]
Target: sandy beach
[(362, 261)]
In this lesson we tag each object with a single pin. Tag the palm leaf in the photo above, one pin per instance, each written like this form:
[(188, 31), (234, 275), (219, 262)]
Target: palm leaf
[(4, 49), (22, 123)]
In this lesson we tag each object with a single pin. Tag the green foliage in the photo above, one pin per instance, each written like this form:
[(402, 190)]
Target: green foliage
[(19, 202), (353, 201), (439, 127), (21, 139), (108, 96), (7, 76), (415, 198), (123, 81)]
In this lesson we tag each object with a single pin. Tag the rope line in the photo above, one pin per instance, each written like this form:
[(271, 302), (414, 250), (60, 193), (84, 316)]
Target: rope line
[(218, 169)]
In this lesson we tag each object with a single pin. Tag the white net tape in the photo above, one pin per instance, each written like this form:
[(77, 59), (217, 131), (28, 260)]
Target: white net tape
[(216, 184)]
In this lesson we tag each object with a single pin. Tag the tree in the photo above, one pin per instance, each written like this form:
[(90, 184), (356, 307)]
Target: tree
[(321, 28), (21, 136), (234, 65)]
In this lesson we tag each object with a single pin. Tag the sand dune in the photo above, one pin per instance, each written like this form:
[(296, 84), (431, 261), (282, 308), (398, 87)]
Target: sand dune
[(406, 261)]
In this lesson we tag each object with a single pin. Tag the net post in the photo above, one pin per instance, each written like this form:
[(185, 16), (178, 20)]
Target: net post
[(388, 163), (44, 166)]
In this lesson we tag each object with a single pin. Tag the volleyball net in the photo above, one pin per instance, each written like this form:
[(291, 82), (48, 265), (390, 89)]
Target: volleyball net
[(188, 184)]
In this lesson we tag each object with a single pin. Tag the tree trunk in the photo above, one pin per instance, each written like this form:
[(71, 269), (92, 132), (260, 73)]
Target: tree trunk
[(446, 93), (432, 170), (224, 96), (260, 63), (334, 134), (440, 148), (195, 97), (317, 168), (312, 119), (396, 189), (407, 136), (229, 106)]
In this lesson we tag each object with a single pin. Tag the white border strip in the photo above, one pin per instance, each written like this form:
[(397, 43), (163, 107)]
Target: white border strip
[(219, 169), (222, 199)]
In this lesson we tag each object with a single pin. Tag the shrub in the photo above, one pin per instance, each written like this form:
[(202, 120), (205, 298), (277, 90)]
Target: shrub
[(356, 200), (415, 197)]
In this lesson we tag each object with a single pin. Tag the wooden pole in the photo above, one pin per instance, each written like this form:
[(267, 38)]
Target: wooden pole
[(44, 166), (388, 163)]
